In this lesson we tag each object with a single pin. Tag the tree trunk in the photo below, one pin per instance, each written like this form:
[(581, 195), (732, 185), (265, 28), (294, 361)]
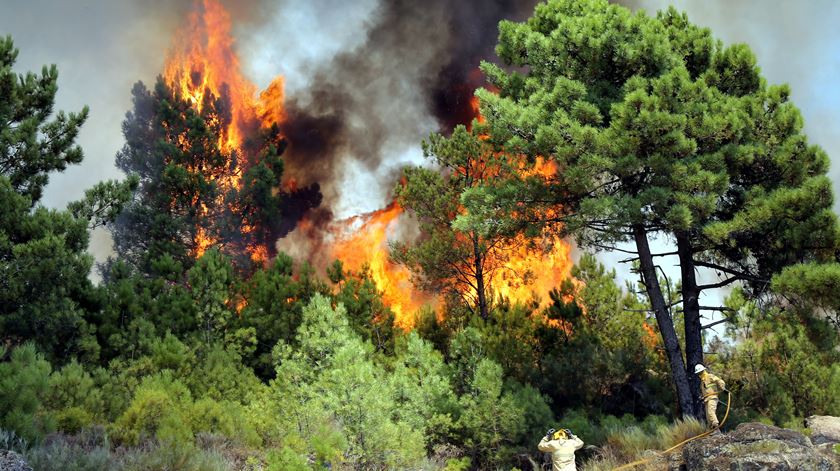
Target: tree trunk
[(691, 315), (663, 320), (483, 310)]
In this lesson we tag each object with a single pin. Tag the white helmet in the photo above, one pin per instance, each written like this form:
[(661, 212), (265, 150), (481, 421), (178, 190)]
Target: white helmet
[(698, 368)]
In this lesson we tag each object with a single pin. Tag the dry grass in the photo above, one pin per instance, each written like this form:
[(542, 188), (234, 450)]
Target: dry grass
[(633, 443)]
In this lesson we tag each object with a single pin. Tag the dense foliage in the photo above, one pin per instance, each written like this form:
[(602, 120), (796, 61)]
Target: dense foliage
[(198, 359), (657, 130)]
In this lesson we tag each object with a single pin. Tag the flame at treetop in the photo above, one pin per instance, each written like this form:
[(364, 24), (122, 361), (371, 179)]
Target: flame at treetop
[(203, 69), (203, 64)]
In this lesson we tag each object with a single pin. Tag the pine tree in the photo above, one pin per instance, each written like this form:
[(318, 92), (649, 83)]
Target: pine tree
[(44, 290), (188, 198), (657, 129), (457, 262)]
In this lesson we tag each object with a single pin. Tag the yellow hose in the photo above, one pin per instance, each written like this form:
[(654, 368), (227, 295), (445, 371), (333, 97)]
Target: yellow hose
[(707, 432)]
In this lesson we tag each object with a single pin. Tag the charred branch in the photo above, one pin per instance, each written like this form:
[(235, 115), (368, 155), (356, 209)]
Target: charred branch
[(719, 284), (722, 321)]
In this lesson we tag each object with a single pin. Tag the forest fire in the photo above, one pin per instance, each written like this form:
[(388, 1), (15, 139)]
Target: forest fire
[(204, 70), (364, 242), (205, 67)]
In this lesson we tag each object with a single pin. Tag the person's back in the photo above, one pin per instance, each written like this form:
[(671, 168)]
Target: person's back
[(562, 447)]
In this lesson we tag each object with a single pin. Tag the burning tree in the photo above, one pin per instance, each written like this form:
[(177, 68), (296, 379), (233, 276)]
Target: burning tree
[(193, 193), (207, 149), (461, 263), (208, 154), (656, 129)]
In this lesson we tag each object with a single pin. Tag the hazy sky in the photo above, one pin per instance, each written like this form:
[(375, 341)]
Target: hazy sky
[(796, 43), (102, 47)]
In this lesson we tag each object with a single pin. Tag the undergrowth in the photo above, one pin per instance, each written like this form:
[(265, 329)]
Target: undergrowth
[(634, 443)]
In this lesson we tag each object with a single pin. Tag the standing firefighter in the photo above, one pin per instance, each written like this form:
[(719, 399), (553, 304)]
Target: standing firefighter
[(712, 386), (562, 445)]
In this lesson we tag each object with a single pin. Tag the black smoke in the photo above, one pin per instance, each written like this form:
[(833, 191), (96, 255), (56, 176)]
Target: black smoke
[(415, 71)]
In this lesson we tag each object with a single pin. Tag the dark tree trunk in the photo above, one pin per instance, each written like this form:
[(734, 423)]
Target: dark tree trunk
[(483, 310), (663, 319), (691, 314)]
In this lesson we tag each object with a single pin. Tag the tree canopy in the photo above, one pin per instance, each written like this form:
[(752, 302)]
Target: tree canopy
[(657, 129)]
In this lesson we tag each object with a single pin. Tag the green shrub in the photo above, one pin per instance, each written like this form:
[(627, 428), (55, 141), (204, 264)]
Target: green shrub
[(225, 418), (170, 456), (328, 444), (73, 398), (72, 419), (583, 426), (669, 435), (458, 464), (24, 381), (159, 410), (286, 459), (630, 443), (220, 375), (795, 423)]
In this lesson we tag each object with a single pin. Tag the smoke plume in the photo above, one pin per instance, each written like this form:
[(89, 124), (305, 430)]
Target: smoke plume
[(365, 108)]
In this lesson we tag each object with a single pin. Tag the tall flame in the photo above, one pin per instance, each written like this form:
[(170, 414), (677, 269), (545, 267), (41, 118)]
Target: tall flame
[(201, 67), (204, 63)]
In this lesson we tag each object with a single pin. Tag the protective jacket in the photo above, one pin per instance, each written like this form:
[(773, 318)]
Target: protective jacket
[(712, 385), (562, 452)]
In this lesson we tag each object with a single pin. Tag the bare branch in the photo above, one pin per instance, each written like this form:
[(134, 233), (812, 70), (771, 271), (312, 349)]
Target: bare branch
[(717, 308), (667, 285), (613, 249), (716, 323), (730, 271), (719, 284), (654, 255), (667, 306)]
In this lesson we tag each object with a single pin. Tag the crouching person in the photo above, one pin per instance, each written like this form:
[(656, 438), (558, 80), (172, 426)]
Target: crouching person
[(562, 445)]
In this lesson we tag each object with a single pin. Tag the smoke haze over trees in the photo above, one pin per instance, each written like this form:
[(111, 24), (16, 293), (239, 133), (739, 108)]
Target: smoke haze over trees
[(199, 350)]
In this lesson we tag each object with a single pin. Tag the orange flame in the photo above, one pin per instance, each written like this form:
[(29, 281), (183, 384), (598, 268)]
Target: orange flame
[(474, 106), (270, 106), (203, 67), (365, 241), (531, 270)]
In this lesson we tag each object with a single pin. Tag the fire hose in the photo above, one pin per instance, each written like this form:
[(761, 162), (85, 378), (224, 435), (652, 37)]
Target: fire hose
[(707, 432)]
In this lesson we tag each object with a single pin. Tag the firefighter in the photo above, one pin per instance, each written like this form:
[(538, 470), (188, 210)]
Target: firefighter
[(711, 387), (562, 445)]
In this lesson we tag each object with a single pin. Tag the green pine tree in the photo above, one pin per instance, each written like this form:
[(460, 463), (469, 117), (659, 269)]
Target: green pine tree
[(656, 129), (460, 263), (44, 290)]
